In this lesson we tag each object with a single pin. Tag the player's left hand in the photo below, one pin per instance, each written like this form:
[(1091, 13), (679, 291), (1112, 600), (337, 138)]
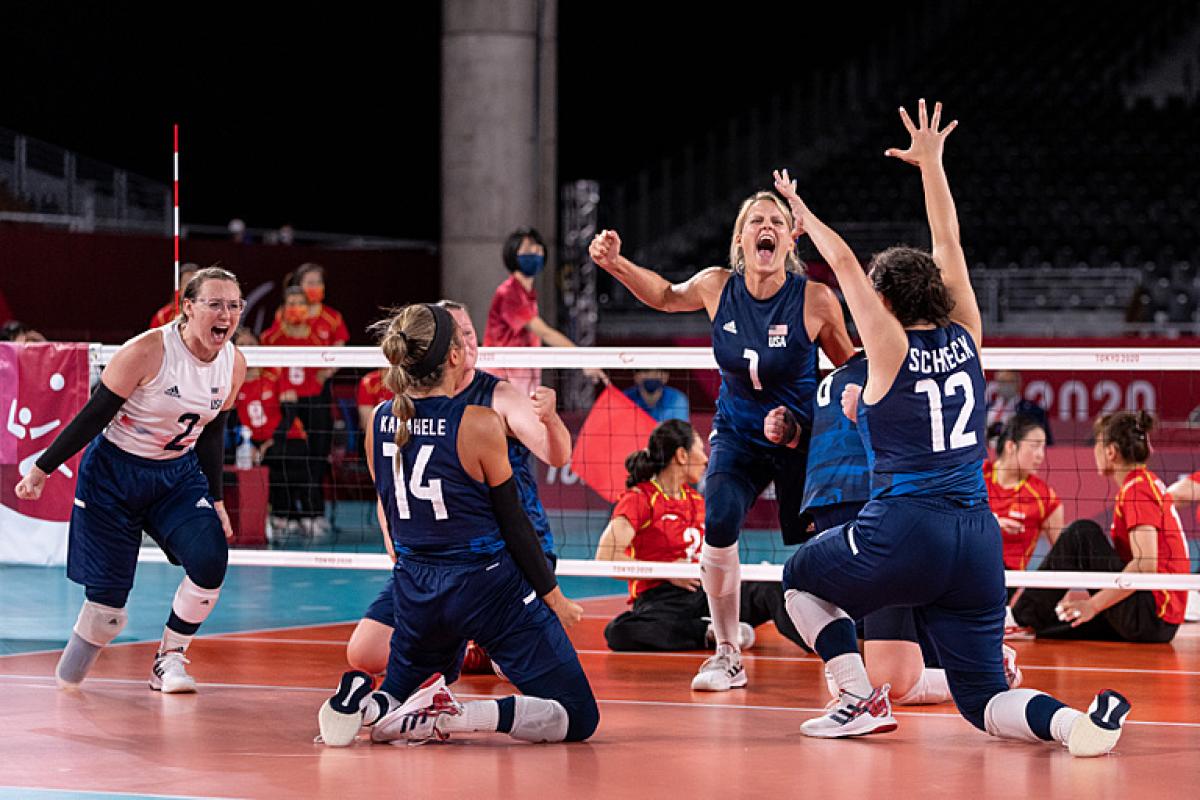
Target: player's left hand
[(545, 402), (219, 507), (927, 141), (787, 190), (780, 427), (850, 397), (1075, 611), (30, 487)]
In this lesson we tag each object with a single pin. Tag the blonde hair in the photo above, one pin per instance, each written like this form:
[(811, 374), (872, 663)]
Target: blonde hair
[(737, 258), (405, 337)]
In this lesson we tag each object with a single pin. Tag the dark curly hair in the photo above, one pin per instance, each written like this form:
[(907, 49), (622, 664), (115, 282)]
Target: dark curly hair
[(1129, 431), (912, 284), (665, 441)]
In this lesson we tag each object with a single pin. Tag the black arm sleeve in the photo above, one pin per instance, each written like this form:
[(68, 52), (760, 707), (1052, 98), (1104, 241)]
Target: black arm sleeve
[(521, 540), (101, 407), (210, 449)]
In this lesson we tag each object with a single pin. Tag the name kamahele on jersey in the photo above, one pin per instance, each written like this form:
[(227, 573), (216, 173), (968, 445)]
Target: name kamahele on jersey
[(417, 426)]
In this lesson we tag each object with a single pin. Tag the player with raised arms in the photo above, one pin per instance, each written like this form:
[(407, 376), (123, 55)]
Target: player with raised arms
[(767, 320), (927, 539), (468, 564), (156, 426)]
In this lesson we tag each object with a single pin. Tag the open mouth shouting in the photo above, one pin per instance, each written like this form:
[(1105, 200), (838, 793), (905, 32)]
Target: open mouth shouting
[(765, 247), (219, 334)]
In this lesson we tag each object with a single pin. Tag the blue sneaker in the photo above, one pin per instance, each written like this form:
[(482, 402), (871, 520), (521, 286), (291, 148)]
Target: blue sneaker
[(1096, 732)]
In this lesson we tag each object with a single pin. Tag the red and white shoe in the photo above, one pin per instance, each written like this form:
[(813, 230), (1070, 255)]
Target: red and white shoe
[(415, 721), (1012, 673), (476, 661), (1014, 631), (854, 716)]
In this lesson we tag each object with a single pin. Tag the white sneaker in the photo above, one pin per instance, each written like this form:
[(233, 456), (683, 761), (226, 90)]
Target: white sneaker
[(416, 720), (169, 674), (341, 716), (1012, 673), (1096, 732), (720, 673), (854, 716), (1192, 612), (746, 636), (1012, 630)]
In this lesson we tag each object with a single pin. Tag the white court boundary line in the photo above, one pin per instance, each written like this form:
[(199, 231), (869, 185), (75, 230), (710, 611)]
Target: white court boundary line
[(38, 682)]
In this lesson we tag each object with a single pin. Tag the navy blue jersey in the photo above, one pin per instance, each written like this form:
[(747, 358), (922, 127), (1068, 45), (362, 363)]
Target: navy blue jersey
[(479, 393), (434, 509), (838, 471), (765, 356), (926, 436)]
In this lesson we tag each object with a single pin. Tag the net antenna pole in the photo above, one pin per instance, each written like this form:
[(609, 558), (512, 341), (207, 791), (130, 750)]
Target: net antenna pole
[(176, 208)]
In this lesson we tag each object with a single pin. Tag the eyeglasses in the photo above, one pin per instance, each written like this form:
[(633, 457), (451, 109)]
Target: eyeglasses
[(215, 306)]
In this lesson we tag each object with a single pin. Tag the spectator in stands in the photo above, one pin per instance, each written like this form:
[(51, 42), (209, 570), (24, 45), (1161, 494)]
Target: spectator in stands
[(19, 333), (312, 409), (651, 393), (281, 447), (1146, 537), (171, 309), (513, 320), (1007, 401), (1024, 505), (237, 231), (660, 517)]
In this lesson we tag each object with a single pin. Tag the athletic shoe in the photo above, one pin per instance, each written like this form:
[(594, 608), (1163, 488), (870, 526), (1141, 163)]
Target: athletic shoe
[(720, 673), (476, 661), (745, 636), (1012, 630), (341, 716), (169, 674), (415, 721), (854, 716), (1012, 673), (1096, 732)]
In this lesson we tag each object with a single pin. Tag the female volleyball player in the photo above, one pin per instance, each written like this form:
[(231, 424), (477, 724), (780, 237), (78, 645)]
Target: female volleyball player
[(532, 425), (468, 564), (927, 539), (660, 517), (1024, 504), (1147, 536), (767, 320), (156, 425)]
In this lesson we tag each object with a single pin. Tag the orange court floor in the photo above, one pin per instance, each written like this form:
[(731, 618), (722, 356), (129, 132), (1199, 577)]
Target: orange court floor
[(249, 731)]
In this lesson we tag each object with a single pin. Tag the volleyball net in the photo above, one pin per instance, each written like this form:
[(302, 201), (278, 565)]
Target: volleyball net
[(309, 501)]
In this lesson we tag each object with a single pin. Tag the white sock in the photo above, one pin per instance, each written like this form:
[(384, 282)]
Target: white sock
[(478, 715), (721, 577), (1062, 722), (174, 640), (931, 687), (850, 674)]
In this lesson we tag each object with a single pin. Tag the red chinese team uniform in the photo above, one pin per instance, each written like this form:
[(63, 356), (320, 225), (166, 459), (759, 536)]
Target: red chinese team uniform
[(302, 380), (1143, 500), (371, 391), (665, 528), (1031, 502)]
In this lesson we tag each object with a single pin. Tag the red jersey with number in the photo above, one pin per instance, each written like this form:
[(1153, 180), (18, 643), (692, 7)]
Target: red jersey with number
[(328, 327), (1143, 500), (664, 528), (258, 405), (371, 391), (1030, 502), (302, 380)]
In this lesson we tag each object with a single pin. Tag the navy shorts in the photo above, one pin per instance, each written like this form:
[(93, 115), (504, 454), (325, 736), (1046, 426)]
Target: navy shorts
[(939, 557), (383, 608), (738, 472), (119, 495), (439, 607)]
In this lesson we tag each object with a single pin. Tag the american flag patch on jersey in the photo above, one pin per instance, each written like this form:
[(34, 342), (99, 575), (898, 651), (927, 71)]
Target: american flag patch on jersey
[(777, 330)]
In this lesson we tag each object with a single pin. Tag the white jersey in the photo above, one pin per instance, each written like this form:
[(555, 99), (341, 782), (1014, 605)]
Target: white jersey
[(163, 418)]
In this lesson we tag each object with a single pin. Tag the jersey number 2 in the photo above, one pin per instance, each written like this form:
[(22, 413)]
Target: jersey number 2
[(959, 435), (431, 491), (190, 421)]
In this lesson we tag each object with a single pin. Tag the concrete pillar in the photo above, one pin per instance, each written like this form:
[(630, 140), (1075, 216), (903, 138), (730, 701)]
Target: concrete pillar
[(498, 145)]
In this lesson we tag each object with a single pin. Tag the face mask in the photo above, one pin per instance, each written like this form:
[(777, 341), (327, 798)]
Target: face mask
[(295, 315), (652, 385), (314, 294), (530, 264)]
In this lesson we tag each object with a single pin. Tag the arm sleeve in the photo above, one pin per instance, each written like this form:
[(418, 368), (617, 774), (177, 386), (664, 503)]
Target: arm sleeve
[(91, 419), (210, 450), (520, 538)]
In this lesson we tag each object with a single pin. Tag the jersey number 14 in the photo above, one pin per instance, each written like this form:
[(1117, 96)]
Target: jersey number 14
[(431, 491)]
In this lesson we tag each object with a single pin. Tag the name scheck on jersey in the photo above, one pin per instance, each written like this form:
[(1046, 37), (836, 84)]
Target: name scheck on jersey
[(163, 418), (941, 359)]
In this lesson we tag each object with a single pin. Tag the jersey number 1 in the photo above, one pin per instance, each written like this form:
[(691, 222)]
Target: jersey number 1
[(431, 491), (959, 436)]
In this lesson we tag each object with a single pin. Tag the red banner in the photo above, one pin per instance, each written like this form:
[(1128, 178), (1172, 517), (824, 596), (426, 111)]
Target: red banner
[(614, 428), (42, 387)]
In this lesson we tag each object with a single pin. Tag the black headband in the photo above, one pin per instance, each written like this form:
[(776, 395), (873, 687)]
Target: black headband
[(435, 353)]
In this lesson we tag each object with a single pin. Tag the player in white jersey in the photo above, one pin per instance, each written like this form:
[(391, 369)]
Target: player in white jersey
[(155, 424)]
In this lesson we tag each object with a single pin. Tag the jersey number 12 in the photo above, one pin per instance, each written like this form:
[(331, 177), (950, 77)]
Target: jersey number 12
[(431, 491), (959, 435)]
